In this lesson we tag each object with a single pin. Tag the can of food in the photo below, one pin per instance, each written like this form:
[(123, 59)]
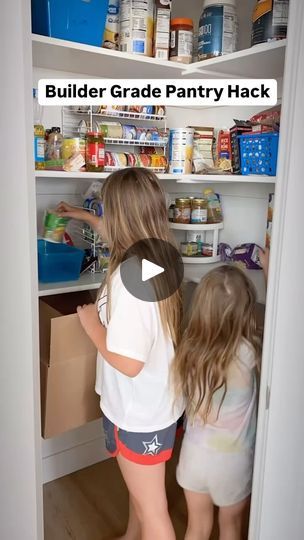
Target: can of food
[(136, 26), (111, 130), (181, 150), (189, 249), (145, 160), (131, 160), (207, 250), (129, 132), (182, 211), (54, 226), (269, 21), (199, 211)]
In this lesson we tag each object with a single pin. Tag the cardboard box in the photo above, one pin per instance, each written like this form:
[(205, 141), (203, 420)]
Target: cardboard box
[(68, 365), (162, 20)]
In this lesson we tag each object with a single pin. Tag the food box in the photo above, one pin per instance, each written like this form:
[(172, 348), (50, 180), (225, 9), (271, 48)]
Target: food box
[(67, 365)]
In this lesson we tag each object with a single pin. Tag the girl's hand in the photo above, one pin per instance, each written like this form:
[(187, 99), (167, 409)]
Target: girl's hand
[(264, 259), (66, 210), (89, 318)]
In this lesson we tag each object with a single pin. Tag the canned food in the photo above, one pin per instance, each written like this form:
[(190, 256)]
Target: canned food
[(189, 249), (199, 211), (111, 130), (182, 211), (129, 132), (207, 250)]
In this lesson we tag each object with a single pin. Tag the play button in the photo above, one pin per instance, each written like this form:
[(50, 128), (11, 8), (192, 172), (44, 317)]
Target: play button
[(152, 270)]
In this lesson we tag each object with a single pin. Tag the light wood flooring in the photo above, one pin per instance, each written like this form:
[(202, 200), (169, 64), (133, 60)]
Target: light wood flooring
[(92, 504)]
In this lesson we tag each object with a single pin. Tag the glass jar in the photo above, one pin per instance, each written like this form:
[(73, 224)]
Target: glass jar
[(199, 211), (54, 144), (182, 211), (95, 152), (181, 40)]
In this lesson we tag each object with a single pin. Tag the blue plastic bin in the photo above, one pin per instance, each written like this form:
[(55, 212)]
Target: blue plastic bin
[(58, 262), (259, 153), (82, 21)]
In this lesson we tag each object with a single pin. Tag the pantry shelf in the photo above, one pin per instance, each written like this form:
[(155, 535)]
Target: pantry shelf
[(201, 260), (179, 178), (86, 282), (58, 54), (261, 61), (196, 227)]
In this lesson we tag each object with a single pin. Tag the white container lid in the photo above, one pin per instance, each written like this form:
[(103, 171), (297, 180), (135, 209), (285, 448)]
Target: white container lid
[(219, 3)]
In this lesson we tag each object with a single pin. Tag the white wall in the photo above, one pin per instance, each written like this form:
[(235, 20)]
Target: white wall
[(277, 504), (20, 476)]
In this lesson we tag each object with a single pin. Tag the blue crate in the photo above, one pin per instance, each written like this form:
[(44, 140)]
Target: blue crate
[(259, 153), (58, 262), (82, 21)]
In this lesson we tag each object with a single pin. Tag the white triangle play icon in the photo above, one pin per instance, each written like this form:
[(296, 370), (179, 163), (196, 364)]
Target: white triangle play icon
[(150, 270)]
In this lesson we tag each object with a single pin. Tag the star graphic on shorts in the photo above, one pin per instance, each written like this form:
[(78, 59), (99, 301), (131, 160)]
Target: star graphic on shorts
[(152, 448)]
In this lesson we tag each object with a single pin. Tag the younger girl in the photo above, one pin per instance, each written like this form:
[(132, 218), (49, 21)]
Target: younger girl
[(135, 340), (216, 370)]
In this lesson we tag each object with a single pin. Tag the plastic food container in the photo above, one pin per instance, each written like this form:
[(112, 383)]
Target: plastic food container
[(181, 150), (269, 21), (73, 20), (218, 29), (181, 40), (58, 262)]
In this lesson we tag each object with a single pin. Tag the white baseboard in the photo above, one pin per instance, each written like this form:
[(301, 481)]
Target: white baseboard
[(73, 451)]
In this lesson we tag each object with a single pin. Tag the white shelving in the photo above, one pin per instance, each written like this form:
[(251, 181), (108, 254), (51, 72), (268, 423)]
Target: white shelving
[(265, 60), (132, 142), (261, 61), (196, 226), (86, 282), (201, 260), (179, 178)]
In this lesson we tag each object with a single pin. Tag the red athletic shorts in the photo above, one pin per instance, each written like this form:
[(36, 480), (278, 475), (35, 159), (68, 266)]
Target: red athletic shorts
[(142, 448)]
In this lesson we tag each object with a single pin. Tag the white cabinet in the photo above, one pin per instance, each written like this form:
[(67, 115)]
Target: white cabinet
[(276, 510)]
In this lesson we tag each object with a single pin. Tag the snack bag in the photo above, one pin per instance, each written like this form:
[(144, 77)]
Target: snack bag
[(247, 255), (54, 226)]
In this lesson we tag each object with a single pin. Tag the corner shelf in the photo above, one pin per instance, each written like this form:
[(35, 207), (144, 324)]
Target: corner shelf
[(179, 178), (201, 260), (196, 226), (261, 61)]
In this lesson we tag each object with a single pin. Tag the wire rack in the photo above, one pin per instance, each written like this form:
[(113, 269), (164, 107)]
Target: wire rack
[(84, 237)]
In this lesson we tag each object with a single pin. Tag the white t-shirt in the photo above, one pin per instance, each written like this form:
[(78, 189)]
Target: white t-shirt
[(146, 402)]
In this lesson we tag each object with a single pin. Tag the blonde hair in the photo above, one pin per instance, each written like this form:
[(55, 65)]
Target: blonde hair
[(135, 209), (223, 314)]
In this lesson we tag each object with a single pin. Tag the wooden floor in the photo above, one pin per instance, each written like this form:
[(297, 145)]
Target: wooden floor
[(92, 504)]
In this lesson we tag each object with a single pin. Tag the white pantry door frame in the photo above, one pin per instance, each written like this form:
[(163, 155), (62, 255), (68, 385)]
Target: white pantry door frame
[(20, 449), (277, 511)]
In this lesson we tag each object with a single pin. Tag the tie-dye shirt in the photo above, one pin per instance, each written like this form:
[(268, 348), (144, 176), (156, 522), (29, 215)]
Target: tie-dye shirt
[(234, 429)]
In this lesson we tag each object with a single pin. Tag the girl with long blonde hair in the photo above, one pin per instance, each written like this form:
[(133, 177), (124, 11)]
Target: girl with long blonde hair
[(135, 340), (215, 369)]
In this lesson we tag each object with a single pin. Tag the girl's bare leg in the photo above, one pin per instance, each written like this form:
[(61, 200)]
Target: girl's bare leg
[(146, 485), (200, 516), (231, 520), (133, 531)]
